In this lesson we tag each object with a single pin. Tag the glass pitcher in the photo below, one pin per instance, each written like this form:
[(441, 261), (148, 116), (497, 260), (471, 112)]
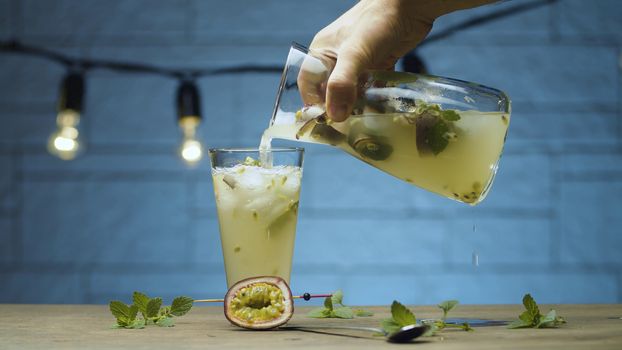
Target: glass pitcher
[(443, 135)]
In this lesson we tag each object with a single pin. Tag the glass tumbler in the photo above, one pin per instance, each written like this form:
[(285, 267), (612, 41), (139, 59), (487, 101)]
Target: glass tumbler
[(257, 209)]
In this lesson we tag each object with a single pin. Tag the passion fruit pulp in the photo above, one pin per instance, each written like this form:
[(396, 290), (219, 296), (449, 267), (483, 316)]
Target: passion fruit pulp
[(259, 303)]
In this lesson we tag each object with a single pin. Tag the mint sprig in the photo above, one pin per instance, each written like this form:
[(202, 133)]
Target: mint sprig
[(334, 308), (434, 127), (151, 310), (447, 306), (400, 316), (532, 318), (126, 315)]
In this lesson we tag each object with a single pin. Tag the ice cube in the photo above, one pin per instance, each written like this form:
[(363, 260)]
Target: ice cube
[(251, 178), (291, 185)]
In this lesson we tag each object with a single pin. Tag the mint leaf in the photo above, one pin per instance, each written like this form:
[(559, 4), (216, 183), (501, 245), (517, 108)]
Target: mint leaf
[(165, 311), (132, 313), (526, 317), (362, 313), (166, 322), (119, 310), (343, 312), (328, 303), (137, 324), (181, 305), (337, 298), (402, 315), (433, 125), (450, 115), (319, 313), (334, 308), (141, 300), (532, 308), (550, 320), (153, 307), (389, 325), (447, 305), (519, 324), (436, 138), (531, 317), (125, 315)]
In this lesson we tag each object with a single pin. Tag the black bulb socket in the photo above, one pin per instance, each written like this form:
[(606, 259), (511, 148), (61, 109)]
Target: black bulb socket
[(72, 92), (188, 100)]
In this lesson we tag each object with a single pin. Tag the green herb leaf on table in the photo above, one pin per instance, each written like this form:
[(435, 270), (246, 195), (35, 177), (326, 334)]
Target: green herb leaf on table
[(551, 320), (446, 306), (319, 313), (328, 303), (181, 306), (532, 308), (153, 307), (337, 298), (151, 310), (532, 318), (389, 325), (119, 309), (166, 322), (362, 313), (334, 308), (141, 300), (125, 315), (400, 316), (343, 312)]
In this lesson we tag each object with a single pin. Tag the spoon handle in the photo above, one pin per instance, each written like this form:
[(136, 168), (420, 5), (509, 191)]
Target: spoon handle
[(368, 329)]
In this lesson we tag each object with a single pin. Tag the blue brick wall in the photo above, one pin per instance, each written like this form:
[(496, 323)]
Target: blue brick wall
[(128, 215)]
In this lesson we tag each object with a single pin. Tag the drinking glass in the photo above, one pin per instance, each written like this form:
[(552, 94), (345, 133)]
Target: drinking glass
[(257, 207)]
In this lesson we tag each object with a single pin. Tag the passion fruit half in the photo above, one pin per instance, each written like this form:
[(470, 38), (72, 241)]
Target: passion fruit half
[(259, 303)]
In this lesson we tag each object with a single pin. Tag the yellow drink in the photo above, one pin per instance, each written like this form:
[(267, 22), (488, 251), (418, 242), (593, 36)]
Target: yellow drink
[(452, 153), (257, 212)]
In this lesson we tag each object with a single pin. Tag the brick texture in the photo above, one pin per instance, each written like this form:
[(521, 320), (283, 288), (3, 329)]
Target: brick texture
[(128, 214), (5, 18)]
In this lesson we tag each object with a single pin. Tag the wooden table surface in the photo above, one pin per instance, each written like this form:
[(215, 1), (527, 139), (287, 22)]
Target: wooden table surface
[(89, 327)]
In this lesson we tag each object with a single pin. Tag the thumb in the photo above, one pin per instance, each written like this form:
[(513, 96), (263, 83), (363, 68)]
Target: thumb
[(341, 90)]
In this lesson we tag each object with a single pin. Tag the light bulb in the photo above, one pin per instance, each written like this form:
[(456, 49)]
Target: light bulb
[(64, 141), (189, 118), (191, 150)]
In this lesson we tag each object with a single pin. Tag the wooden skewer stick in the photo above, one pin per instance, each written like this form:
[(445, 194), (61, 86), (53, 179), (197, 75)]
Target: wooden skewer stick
[(209, 300), (305, 296)]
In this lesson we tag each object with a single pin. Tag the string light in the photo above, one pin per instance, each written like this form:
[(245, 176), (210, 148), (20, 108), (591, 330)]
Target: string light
[(189, 119), (65, 141)]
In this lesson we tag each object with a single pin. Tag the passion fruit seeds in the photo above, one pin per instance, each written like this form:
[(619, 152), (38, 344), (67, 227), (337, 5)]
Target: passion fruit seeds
[(259, 303)]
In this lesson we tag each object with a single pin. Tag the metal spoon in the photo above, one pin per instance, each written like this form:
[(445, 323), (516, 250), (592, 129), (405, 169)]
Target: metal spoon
[(403, 335)]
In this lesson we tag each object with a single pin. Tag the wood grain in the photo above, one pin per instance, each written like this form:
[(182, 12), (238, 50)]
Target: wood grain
[(89, 327)]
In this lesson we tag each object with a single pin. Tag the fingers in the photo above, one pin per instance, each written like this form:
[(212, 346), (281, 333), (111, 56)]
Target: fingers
[(342, 84), (312, 81)]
